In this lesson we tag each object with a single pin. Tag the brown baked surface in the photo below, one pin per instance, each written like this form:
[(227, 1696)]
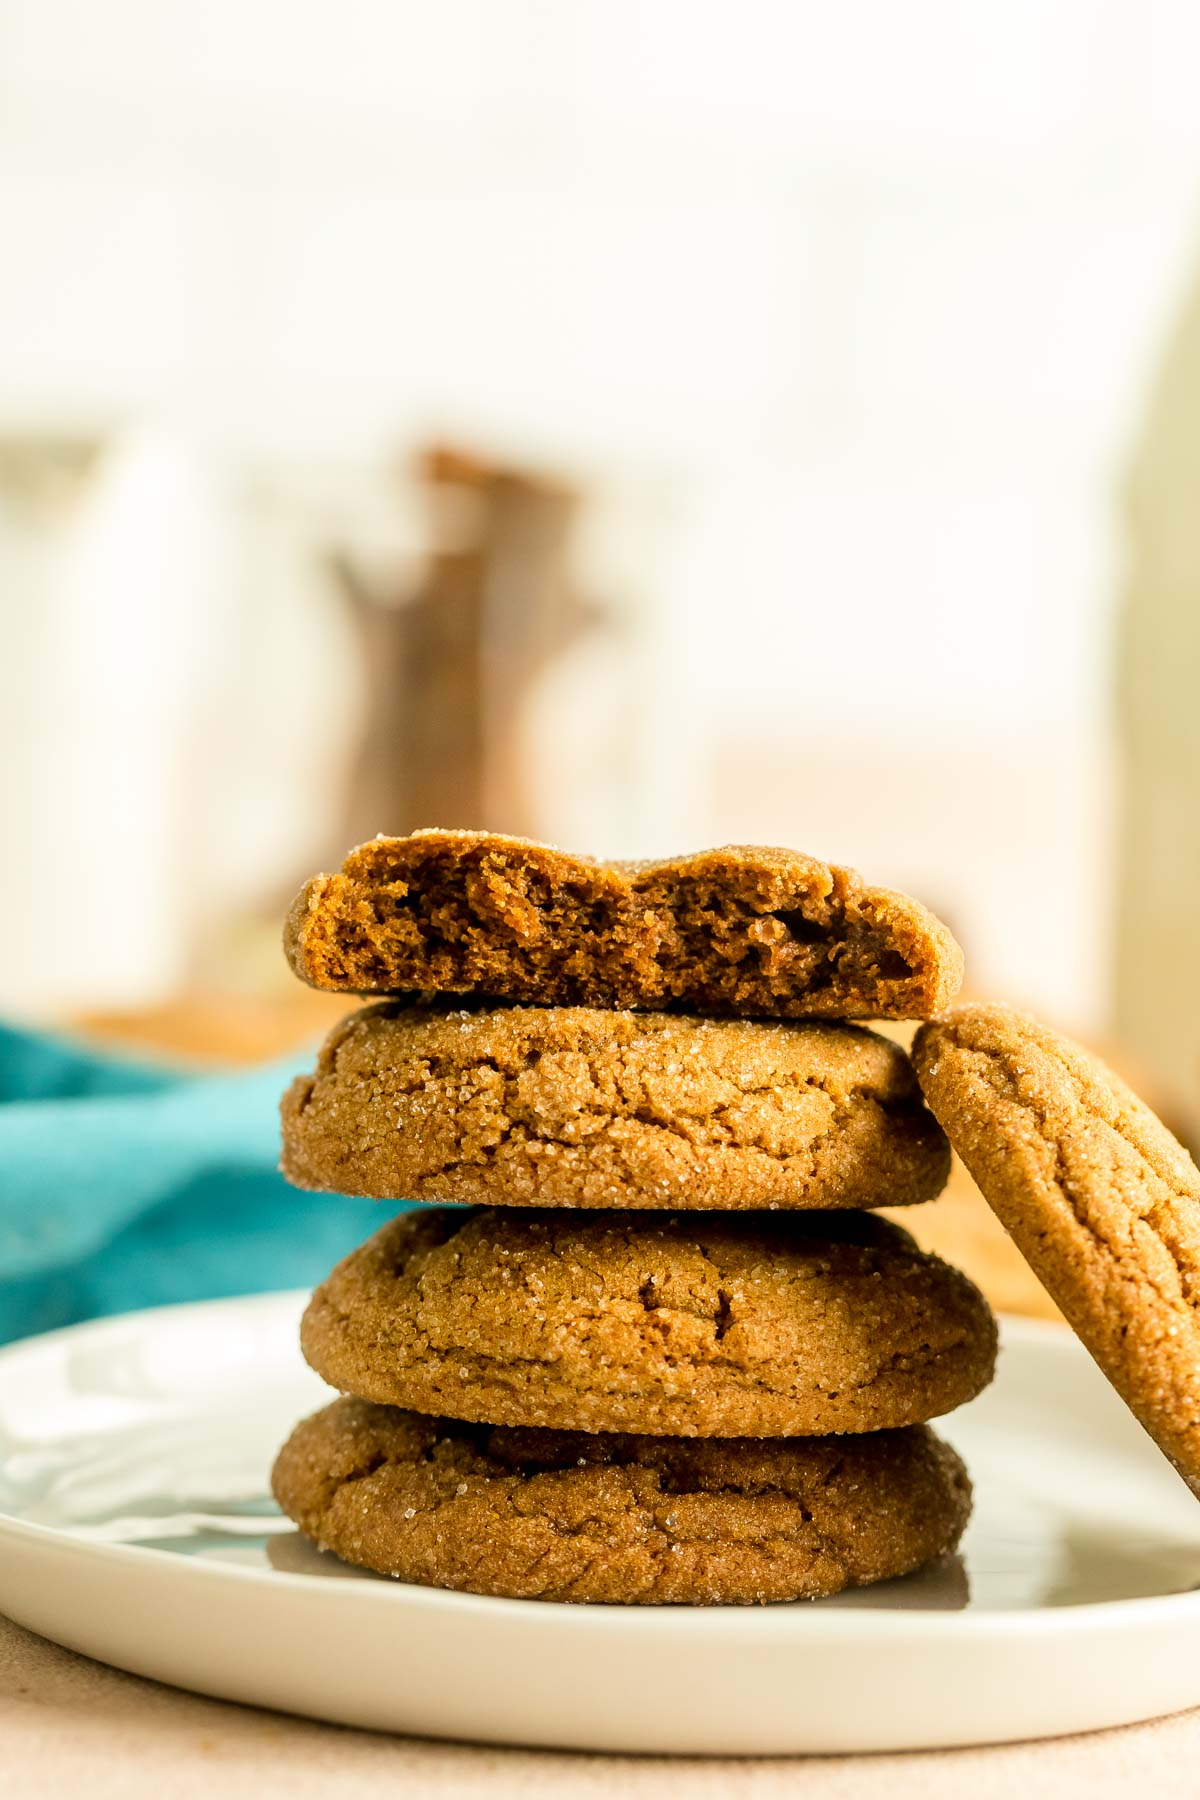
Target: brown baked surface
[(740, 930), (1097, 1194), (548, 1515), (574, 1106), (684, 1324)]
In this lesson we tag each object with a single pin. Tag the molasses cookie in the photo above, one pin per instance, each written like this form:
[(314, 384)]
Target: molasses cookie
[(573, 1106), (692, 1324), (1099, 1197), (741, 930), (548, 1515)]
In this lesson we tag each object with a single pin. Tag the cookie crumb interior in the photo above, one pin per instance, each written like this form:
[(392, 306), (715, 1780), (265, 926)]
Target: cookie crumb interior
[(738, 931)]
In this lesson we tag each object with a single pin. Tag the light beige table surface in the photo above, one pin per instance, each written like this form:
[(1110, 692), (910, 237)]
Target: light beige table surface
[(70, 1727)]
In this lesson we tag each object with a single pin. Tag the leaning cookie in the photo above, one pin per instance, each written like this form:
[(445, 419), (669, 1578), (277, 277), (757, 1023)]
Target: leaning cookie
[(1098, 1196), (683, 1324), (746, 930), (575, 1106), (546, 1515)]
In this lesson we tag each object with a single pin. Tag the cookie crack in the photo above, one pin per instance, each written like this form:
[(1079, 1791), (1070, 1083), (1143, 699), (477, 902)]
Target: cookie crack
[(694, 1128)]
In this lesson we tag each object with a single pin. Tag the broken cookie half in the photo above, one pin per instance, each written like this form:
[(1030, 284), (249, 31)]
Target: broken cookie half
[(742, 930)]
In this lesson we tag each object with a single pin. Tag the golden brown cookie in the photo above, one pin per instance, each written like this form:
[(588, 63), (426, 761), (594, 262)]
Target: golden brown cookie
[(741, 930), (686, 1324), (573, 1106), (1097, 1194), (555, 1515)]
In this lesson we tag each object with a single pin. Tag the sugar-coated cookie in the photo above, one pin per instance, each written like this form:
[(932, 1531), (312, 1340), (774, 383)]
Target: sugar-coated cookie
[(548, 1515), (575, 1106), (689, 1324), (1097, 1194)]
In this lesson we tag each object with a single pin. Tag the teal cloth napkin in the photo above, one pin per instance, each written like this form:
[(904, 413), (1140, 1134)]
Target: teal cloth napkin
[(123, 1186)]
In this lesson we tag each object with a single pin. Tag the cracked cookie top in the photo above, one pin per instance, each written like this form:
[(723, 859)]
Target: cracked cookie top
[(1100, 1198), (576, 1516), (577, 1106), (743, 930), (690, 1324)]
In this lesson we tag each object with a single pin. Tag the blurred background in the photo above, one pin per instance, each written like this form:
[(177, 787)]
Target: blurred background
[(636, 425)]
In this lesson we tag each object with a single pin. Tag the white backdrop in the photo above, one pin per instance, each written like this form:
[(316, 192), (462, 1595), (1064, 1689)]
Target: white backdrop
[(847, 312)]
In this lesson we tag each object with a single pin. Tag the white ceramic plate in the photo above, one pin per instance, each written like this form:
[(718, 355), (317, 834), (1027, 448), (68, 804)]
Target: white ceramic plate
[(134, 1525)]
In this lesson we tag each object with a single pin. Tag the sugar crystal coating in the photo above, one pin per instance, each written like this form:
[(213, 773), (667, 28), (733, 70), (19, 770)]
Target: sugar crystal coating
[(559, 1516), (577, 1106), (708, 1324)]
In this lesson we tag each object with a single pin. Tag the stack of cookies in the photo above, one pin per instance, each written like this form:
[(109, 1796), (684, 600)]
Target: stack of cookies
[(652, 1342)]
